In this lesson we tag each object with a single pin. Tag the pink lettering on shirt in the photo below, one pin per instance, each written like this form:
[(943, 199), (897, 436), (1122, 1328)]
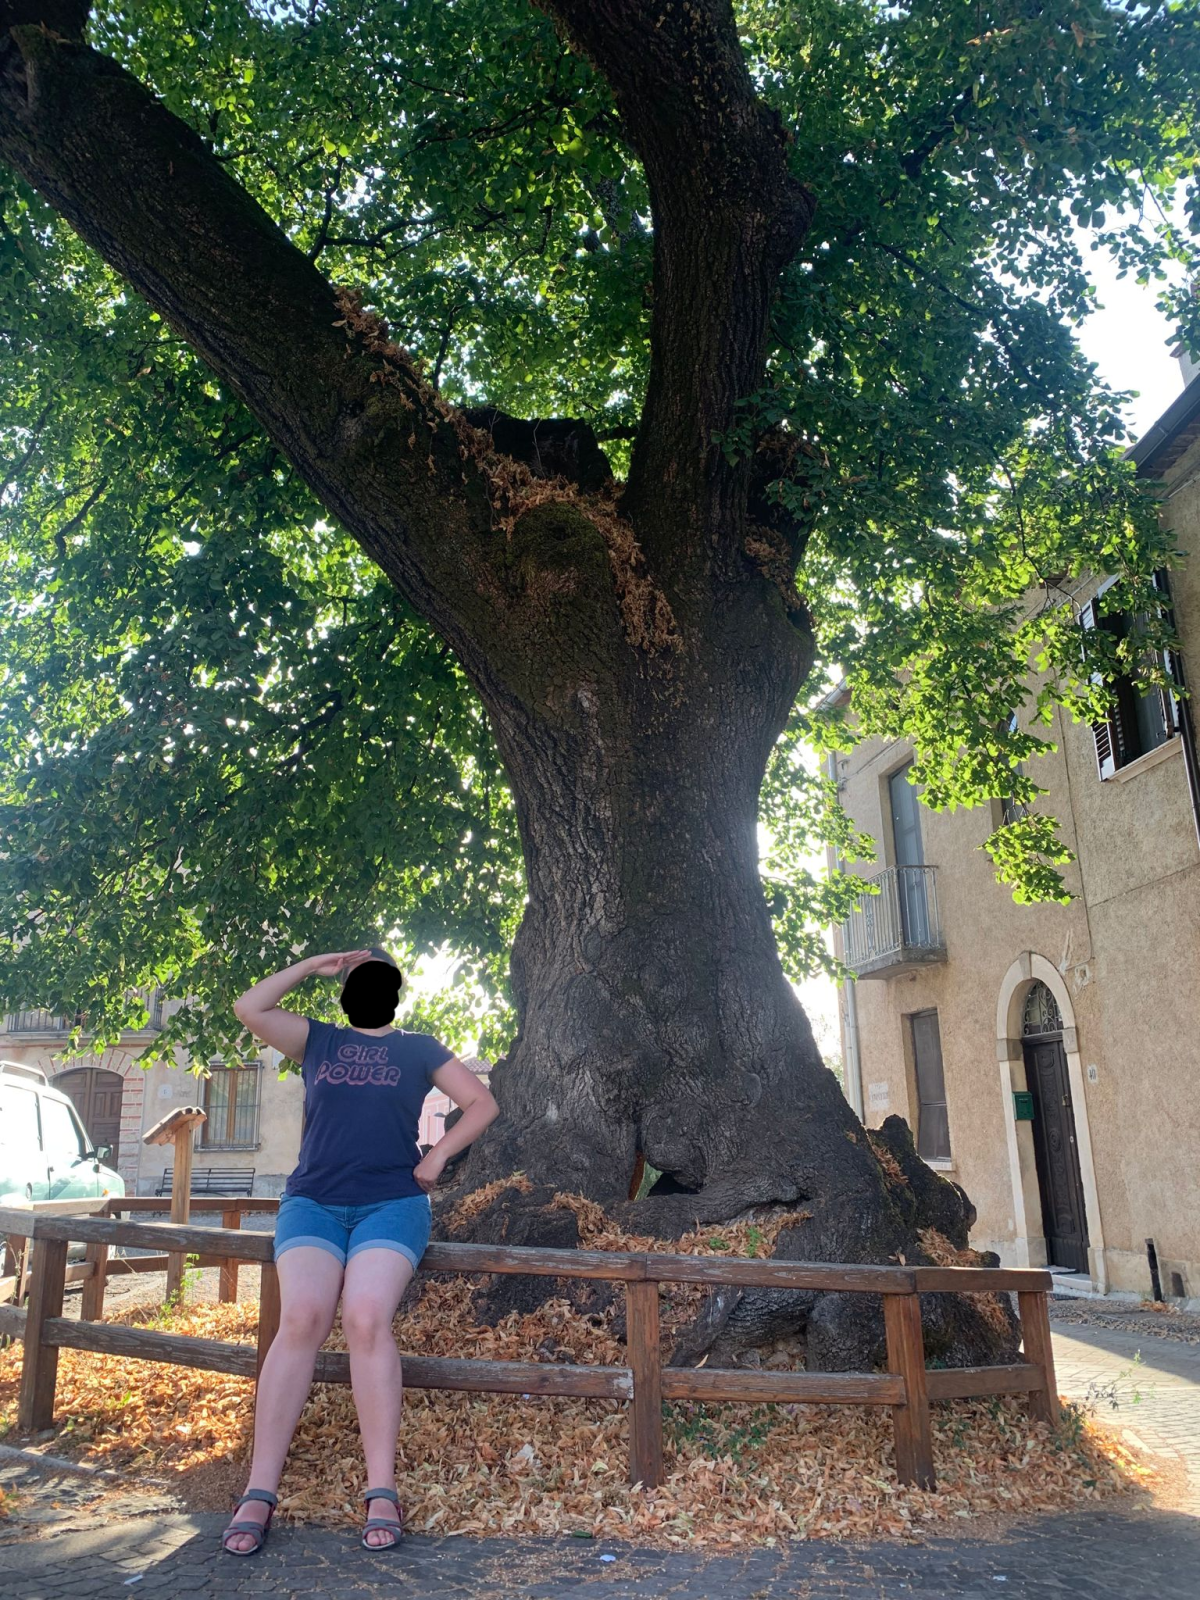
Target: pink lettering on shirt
[(379, 1074), (362, 1054)]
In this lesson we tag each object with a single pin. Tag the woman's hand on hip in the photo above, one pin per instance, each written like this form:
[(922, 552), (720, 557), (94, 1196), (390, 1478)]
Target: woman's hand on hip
[(428, 1170)]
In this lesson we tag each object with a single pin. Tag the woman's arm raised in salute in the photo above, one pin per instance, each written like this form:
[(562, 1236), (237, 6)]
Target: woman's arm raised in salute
[(259, 1010)]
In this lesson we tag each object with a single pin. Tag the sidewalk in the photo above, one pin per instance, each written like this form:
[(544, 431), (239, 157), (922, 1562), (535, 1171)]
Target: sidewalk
[(88, 1537), (1155, 1383), (1092, 1556)]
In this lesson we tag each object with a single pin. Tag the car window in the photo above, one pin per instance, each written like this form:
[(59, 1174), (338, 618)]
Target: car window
[(19, 1119), (60, 1133)]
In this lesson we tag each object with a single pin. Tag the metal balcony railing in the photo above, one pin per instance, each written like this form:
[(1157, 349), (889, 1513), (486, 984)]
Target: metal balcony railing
[(35, 1022), (38, 1021), (898, 928)]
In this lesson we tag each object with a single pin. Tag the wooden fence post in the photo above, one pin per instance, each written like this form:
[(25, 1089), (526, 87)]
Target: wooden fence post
[(39, 1368), (92, 1309), (268, 1312), (181, 1210), (910, 1422), (231, 1217), (1039, 1352), (645, 1412)]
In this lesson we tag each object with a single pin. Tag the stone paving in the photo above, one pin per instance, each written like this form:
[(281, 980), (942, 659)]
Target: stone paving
[(1155, 1384), (1101, 1555), (95, 1536)]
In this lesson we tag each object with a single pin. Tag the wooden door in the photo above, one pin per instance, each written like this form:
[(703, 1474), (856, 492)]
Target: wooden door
[(96, 1095), (1064, 1218)]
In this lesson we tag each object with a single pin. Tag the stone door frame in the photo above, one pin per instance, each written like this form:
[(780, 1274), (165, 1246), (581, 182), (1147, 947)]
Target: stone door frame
[(1029, 1244)]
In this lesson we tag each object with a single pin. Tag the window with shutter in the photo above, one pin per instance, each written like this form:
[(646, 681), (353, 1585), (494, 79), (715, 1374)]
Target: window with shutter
[(933, 1123), (1107, 740), (231, 1102), (1139, 720), (1172, 706), (1012, 809)]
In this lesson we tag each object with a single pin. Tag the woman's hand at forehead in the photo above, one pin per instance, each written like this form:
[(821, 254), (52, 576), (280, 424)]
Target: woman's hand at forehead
[(259, 1009), (328, 966)]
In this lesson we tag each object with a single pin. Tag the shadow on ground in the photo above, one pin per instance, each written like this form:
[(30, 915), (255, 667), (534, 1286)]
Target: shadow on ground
[(1103, 1555)]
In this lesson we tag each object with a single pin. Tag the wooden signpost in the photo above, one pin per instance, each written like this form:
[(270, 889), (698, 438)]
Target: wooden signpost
[(178, 1128)]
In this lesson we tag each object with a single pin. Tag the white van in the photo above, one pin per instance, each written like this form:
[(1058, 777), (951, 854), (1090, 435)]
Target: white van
[(45, 1151)]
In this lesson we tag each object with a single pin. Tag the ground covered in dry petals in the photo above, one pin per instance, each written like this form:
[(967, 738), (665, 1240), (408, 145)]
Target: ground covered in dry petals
[(503, 1464)]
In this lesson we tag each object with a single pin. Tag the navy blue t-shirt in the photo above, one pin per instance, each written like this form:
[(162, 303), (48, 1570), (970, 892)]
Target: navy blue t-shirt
[(362, 1107)]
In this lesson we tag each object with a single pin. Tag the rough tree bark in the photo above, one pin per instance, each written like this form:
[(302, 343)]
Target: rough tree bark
[(637, 648)]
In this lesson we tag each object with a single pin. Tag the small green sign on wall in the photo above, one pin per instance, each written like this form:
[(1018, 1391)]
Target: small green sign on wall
[(1022, 1105)]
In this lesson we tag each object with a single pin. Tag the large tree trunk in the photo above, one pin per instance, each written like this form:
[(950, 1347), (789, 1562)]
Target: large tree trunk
[(637, 657), (655, 1020), (654, 1014)]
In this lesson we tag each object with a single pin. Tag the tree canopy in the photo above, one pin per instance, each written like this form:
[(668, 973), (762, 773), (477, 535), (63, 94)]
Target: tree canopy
[(227, 738)]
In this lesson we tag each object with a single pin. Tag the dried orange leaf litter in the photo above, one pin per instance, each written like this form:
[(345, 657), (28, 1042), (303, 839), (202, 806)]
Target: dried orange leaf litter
[(503, 1464)]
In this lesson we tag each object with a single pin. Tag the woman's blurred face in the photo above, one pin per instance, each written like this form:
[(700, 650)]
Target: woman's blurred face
[(370, 994)]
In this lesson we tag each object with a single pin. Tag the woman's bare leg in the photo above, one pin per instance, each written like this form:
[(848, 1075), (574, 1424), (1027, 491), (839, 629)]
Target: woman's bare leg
[(310, 1280), (375, 1281)]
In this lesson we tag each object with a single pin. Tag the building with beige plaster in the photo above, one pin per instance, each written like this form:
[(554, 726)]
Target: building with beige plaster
[(254, 1114), (254, 1108), (1047, 1057)]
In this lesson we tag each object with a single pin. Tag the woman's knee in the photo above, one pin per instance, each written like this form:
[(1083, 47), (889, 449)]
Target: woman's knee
[(365, 1323), (305, 1322)]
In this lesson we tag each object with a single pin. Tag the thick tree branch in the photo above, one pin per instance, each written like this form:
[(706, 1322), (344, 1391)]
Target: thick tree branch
[(728, 215), (354, 415)]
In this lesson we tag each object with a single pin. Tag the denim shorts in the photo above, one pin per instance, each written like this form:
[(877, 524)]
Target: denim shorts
[(401, 1225)]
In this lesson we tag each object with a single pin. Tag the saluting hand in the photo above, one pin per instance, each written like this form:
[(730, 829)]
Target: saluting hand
[(329, 966)]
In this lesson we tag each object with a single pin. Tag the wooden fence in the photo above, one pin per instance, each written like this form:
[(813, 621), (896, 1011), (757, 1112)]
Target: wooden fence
[(907, 1388), (99, 1265)]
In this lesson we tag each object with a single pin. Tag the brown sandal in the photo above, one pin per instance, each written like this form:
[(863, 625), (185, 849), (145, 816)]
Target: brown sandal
[(396, 1529)]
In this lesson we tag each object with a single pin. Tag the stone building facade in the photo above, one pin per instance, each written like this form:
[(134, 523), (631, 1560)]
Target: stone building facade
[(1047, 1056)]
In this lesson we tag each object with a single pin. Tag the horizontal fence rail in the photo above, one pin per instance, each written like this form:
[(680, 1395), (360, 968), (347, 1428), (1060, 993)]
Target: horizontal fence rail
[(907, 1388)]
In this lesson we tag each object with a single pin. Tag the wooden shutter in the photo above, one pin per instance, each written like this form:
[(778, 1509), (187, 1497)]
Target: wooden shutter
[(1172, 707), (1111, 745), (933, 1127)]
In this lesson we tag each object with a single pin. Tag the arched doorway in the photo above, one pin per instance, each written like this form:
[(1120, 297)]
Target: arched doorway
[(96, 1095), (1060, 1183)]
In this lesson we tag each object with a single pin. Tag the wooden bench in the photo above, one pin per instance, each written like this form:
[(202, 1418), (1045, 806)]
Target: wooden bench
[(213, 1180)]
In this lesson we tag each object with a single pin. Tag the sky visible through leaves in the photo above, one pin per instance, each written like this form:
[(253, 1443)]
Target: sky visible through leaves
[(224, 736)]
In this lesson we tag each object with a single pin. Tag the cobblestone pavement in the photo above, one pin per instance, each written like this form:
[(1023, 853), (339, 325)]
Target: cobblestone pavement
[(1155, 1384), (100, 1537), (1101, 1555)]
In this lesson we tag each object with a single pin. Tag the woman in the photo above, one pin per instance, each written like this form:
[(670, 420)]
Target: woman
[(355, 1217)]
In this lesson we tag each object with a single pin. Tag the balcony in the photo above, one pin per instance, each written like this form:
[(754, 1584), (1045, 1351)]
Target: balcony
[(898, 929), (35, 1024)]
